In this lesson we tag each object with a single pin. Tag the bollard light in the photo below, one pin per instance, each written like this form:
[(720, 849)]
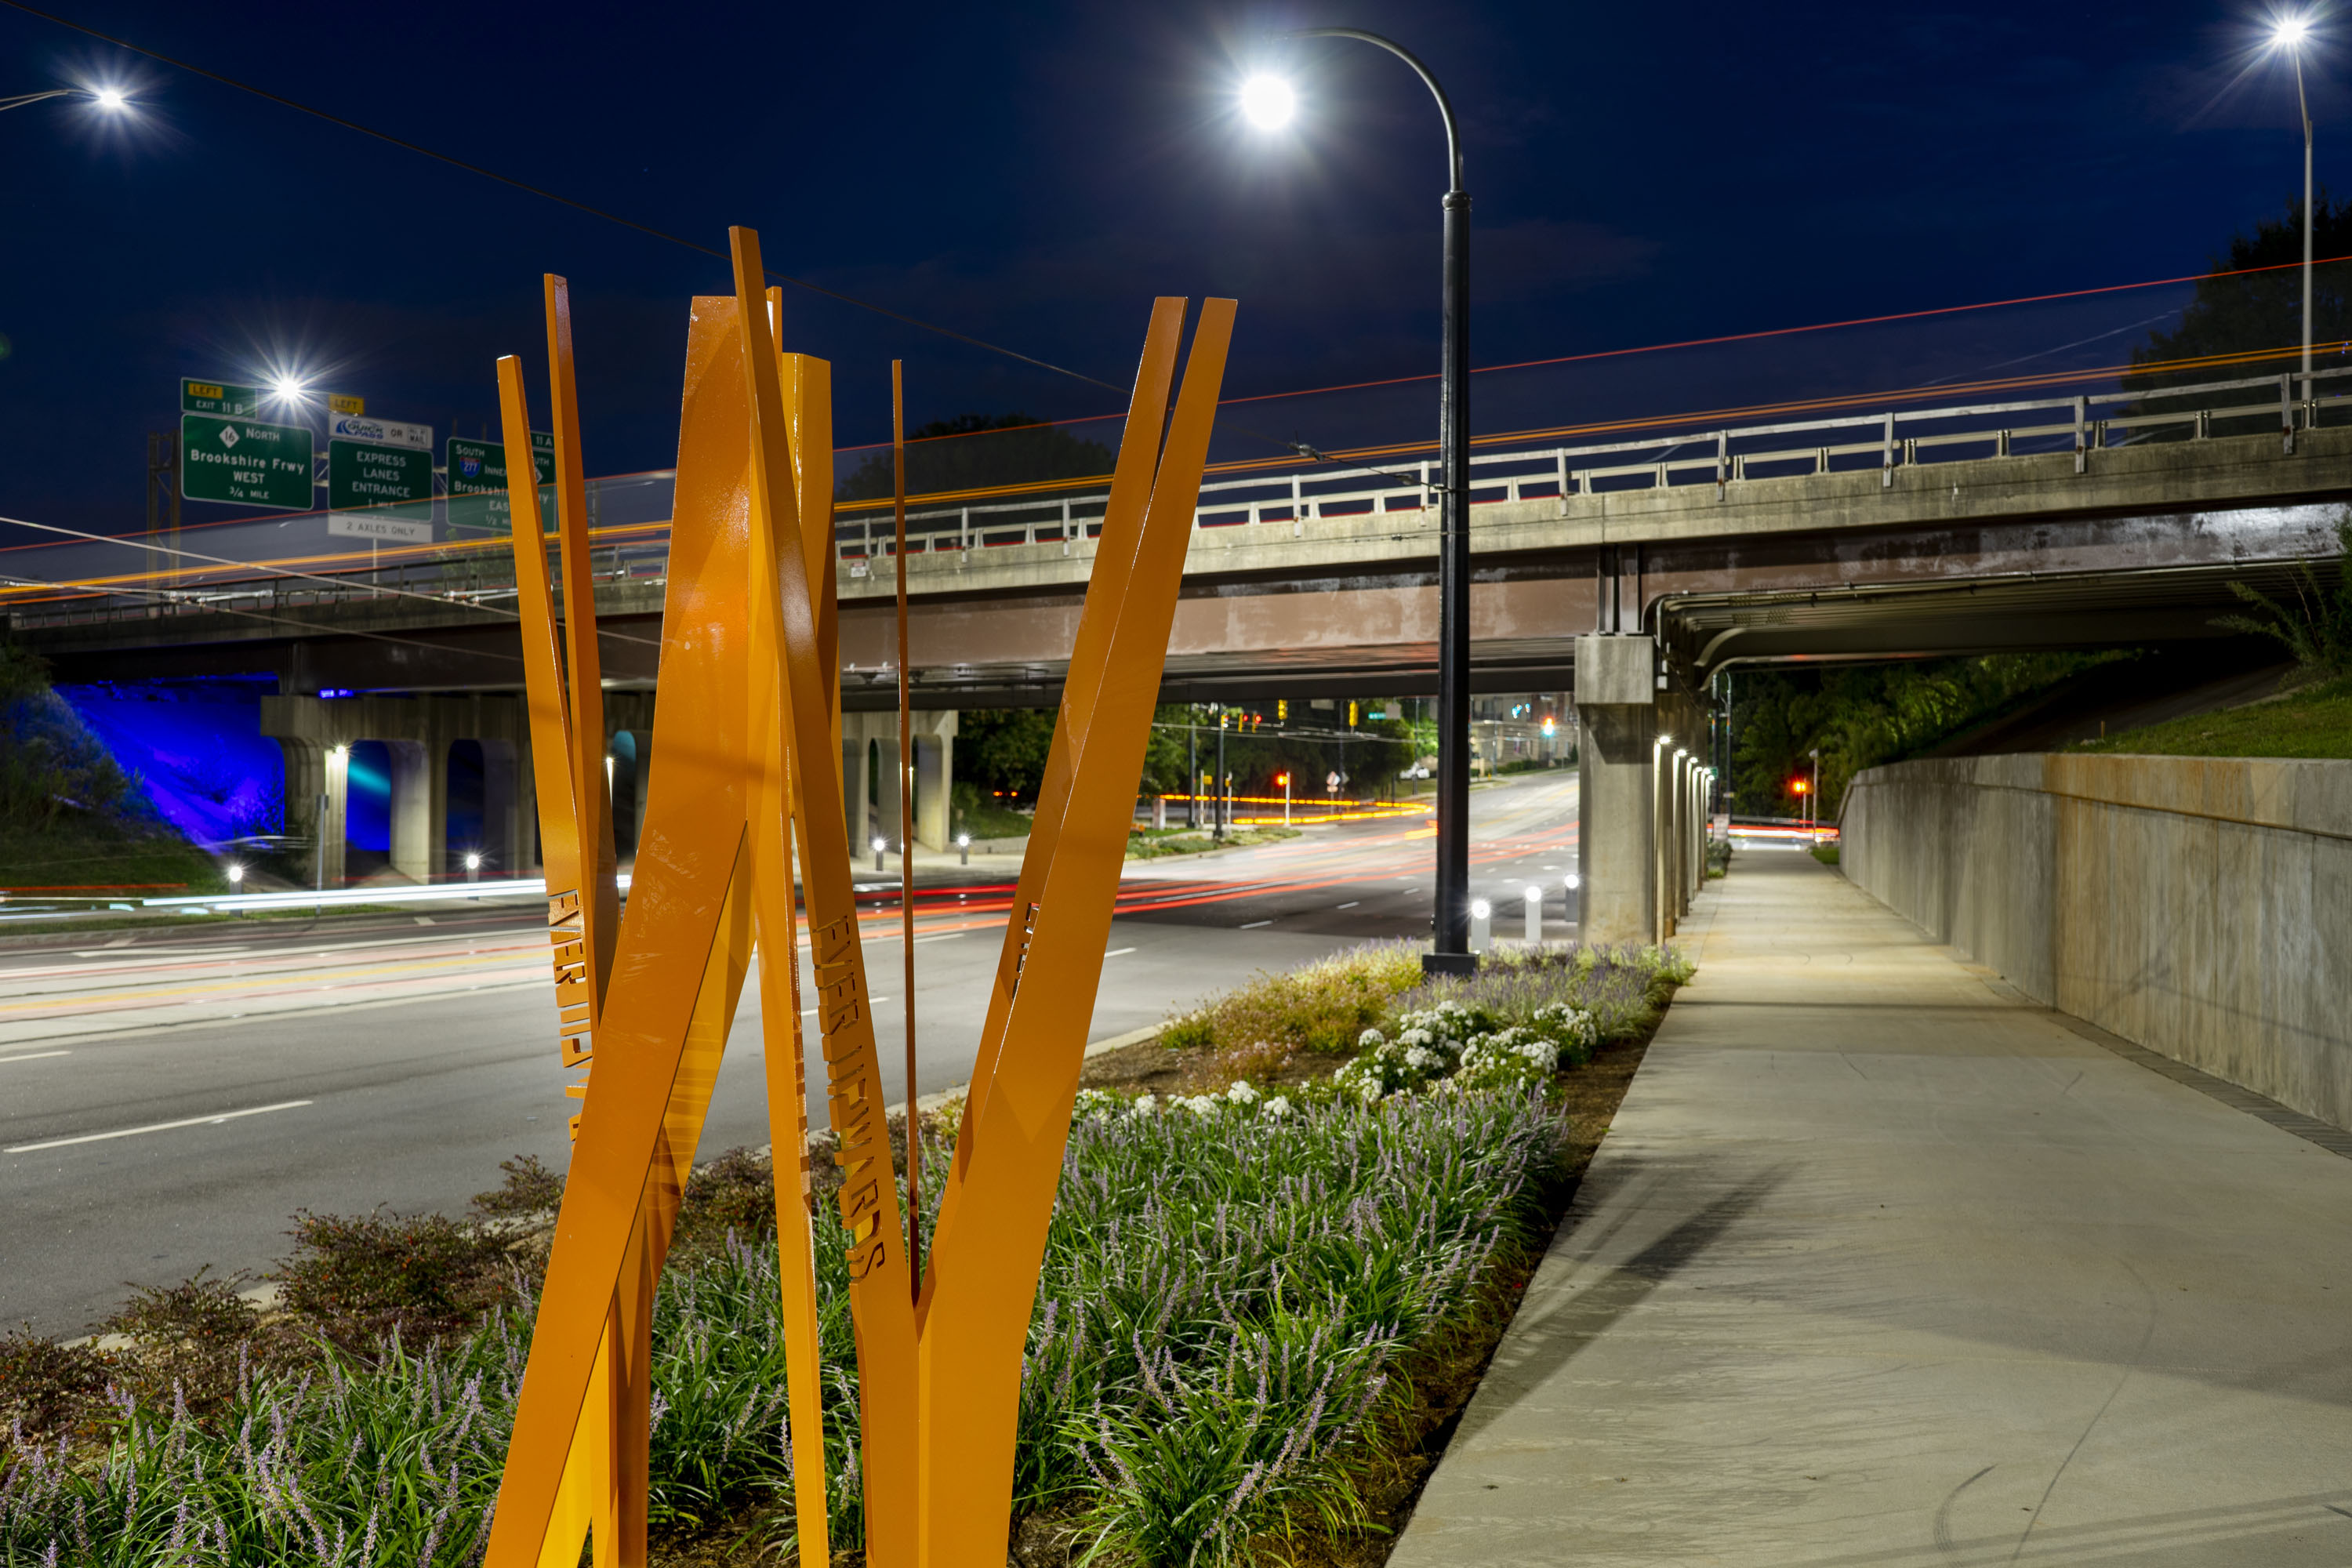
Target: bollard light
[(473, 866), (235, 875), (964, 843), (1481, 928), (879, 846), (1535, 914)]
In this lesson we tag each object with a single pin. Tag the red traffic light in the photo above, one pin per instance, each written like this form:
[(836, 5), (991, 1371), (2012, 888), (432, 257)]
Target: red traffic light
[(1799, 785), (1282, 779)]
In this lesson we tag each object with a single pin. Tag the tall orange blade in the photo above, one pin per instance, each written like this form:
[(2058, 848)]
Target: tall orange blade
[(983, 1275), (590, 793), (1130, 491), (880, 1282), (695, 826)]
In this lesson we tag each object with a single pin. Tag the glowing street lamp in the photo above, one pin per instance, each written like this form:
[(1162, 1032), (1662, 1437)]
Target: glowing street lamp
[(2289, 35), (1268, 102), (105, 97)]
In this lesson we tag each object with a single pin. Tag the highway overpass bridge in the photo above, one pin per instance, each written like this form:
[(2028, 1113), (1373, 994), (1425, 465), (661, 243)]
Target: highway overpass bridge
[(2079, 522)]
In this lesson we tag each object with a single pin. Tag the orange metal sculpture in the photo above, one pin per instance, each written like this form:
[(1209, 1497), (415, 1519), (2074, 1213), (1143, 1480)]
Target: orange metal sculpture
[(746, 780)]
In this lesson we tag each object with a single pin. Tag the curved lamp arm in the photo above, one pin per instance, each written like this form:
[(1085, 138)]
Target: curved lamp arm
[(1444, 107)]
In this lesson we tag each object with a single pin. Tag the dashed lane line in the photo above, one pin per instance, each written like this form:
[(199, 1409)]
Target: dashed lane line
[(214, 1121)]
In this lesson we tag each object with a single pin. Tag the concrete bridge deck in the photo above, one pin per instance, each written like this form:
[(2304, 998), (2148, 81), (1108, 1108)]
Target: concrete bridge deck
[(1882, 1265)]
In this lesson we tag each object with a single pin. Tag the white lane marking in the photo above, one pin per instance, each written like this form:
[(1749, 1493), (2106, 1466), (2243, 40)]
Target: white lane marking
[(33, 1056), (153, 1127), (1350, 904), (113, 961), (1253, 925), (1118, 953)]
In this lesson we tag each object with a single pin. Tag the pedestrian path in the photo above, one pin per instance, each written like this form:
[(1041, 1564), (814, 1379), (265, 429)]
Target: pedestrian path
[(1882, 1265)]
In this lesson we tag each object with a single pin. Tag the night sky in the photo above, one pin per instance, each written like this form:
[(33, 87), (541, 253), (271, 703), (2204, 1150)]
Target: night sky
[(1034, 174)]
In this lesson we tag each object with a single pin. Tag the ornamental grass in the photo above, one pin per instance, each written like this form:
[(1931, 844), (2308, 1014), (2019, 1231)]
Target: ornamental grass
[(1232, 1311)]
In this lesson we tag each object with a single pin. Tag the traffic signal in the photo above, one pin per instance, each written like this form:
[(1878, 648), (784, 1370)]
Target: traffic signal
[(1282, 779), (1351, 715), (1282, 710), (1800, 786), (1221, 718)]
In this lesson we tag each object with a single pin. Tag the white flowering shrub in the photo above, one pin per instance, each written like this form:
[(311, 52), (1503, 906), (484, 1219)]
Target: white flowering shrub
[(1465, 1047), (1242, 1101), (1098, 1105), (1518, 1054)]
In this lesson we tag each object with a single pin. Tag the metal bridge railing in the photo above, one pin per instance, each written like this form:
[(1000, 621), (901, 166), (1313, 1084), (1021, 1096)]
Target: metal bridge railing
[(1725, 456), (467, 562)]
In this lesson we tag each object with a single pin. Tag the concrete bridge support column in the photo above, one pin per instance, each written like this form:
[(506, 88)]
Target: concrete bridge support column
[(934, 767), (504, 827), (887, 825), (1617, 800), (857, 783), (312, 770), (420, 809)]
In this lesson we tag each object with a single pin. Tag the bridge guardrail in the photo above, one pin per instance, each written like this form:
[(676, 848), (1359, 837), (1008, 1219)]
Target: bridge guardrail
[(271, 566)]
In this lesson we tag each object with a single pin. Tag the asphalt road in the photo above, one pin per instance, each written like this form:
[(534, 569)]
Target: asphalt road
[(168, 1099)]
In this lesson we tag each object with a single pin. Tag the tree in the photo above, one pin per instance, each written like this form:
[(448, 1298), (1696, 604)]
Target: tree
[(1858, 716), (980, 451), (1004, 749), (2244, 308), (2317, 627)]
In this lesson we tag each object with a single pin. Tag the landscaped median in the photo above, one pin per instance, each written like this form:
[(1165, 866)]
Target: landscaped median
[(1265, 1292)]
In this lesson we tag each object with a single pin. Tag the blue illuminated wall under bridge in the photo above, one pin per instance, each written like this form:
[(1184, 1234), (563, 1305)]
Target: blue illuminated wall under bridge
[(195, 747)]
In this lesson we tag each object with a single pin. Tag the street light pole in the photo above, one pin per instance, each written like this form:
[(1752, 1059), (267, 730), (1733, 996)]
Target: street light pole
[(1450, 951), (2303, 103)]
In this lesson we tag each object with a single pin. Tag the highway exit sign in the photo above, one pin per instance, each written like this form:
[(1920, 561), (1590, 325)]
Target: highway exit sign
[(219, 398), (477, 480), (244, 462)]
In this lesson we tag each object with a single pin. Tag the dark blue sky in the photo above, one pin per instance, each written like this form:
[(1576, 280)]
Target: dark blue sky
[(1033, 175)]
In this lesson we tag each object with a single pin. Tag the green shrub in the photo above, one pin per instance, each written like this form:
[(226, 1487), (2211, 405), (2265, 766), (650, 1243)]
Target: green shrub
[(1232, 1302), (358, 1279), (530, 1190), (1318, 1007)]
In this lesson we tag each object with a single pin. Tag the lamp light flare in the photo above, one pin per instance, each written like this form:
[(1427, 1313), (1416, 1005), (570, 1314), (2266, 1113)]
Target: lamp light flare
[(2291, 31), (1268, 102), (236, 874), (113, 100)]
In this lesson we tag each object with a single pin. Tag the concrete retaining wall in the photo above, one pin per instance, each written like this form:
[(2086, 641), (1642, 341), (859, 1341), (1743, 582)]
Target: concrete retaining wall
[(2199, 907)]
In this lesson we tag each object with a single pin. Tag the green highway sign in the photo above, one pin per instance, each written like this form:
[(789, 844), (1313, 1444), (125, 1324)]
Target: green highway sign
[(244, 462), (361, 475), (479, 467), (218, 398), (478, 481), (374, 463)]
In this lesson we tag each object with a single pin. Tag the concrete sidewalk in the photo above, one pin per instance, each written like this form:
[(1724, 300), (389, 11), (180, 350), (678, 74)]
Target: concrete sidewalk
[(1881, 1264)]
